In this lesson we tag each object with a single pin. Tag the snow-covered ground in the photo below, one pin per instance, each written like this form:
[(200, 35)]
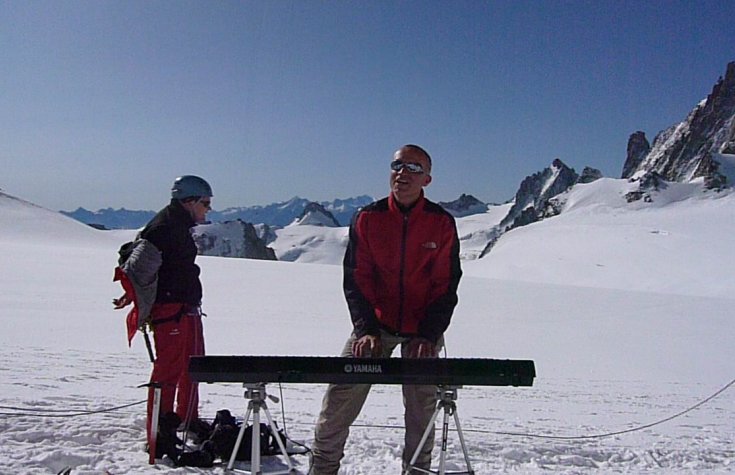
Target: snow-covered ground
[(626, 309), (306, 243)]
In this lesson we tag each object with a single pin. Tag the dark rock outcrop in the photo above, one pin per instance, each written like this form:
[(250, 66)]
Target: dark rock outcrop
[(648, 183), (465, 205), (638, 149), (231, 239), (589, 175)]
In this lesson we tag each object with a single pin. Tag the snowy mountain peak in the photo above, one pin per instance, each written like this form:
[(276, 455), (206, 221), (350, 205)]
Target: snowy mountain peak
[(295, 201), (691, 150), (465, 205), (316, 215), (535, 191), (533, 201)]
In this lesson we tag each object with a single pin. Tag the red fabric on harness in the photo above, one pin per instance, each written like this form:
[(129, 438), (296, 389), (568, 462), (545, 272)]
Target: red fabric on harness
[(132, 318)]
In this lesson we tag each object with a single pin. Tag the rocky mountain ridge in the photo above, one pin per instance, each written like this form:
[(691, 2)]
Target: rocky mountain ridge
[(536, 197), (692, 149), (702, 147)]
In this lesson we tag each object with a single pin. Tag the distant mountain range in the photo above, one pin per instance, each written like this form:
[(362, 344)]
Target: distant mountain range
[(274, 215), (699, 150), (110, 218)]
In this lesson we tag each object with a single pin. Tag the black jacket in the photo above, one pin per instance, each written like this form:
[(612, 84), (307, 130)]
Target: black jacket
[(178, 277)]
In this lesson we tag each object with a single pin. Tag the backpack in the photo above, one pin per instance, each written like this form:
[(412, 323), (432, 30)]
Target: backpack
[(224, 436), (125, 251)]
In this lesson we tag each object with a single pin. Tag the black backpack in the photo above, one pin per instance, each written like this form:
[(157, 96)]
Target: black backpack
[(224, 436)]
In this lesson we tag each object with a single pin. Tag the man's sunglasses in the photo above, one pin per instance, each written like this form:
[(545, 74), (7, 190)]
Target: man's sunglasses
[(206, 203), (397, 165)]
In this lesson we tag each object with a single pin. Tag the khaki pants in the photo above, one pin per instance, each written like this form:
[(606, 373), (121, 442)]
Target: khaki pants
[(342, 404)]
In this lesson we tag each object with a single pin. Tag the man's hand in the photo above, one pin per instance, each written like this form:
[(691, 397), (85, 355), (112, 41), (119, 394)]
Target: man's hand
[(121, 302), (367, 346), (421, 348)]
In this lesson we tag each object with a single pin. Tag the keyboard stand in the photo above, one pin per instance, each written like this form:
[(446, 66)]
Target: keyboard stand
[(446, 397), (257, 395)]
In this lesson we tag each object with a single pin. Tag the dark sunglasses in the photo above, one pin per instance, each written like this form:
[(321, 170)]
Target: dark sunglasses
[(206, 203), (397, 165)]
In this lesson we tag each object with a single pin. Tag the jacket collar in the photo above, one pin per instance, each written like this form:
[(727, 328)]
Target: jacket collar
[(179, 213), (395, 206)]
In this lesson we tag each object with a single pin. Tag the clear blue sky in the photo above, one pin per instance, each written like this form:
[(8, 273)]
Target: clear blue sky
[(103, 103)]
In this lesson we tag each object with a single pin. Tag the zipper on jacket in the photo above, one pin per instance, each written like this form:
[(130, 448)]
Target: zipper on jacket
[(401, 285)]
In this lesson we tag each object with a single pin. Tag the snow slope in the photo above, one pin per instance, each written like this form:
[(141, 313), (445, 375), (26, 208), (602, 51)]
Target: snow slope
[(475, 231), (626, 309), (681, 243), (308, 243)]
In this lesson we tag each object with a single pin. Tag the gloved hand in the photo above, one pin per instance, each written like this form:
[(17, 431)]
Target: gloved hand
[(122, 301)]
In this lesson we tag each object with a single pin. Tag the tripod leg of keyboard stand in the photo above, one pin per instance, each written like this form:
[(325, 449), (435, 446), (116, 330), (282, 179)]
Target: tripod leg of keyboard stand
[(277, 436), (240, 435), (446, 397), (445, 437), (255, 442), (281, 446), (424, 437), (257, 395), (461, 441)]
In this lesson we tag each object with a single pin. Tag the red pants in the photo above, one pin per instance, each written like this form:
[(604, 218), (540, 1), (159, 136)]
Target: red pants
[(175, 341)]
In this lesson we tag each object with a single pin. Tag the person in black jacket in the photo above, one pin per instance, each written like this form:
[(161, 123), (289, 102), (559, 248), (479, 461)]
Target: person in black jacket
[(166, 250)]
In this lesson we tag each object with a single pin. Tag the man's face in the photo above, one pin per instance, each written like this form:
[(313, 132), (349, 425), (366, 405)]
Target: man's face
[(199, 208), (404, 184)]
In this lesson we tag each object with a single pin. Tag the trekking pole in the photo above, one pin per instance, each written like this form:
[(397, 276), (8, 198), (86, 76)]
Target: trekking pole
[(153, 430), (148, 345)]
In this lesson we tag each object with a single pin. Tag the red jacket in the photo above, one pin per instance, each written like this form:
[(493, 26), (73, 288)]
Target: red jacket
[(401, 269)]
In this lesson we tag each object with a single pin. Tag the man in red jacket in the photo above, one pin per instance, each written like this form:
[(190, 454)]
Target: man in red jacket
[(401, 272)]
